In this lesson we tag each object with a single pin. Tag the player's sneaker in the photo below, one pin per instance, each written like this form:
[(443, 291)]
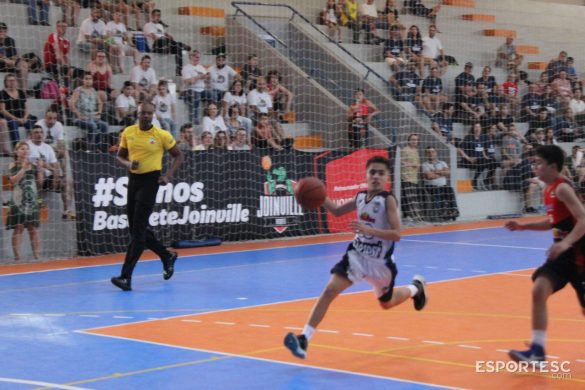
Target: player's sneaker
[(296, 344), (420, 299), (169, 266), (122, 283), (534, 354)]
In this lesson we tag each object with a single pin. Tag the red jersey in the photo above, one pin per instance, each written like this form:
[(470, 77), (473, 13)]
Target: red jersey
[(560, 217), (360, 108), (50, 57)]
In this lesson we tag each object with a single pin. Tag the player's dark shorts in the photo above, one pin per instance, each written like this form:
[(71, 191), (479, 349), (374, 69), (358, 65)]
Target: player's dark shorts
[(563, 270), (383, 285)]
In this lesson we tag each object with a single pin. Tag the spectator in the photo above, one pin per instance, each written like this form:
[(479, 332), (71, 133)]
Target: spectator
[(140, 8), (394, 50), (442, 197), (503, 118), (572, 72), (259, 100), (556, 65), (577, 105), (162, 42), (432, 52), (265, 135), (488, 80), (212, 121), (56, 54), (389, 17), (482, 100), (359, 116), (39, 150), (331, 19), (38, 12), (92, 33), (549, 137), (550, 101), (512, 149), (143, 78), (241, 140), (409, 178), (282, 98), (542, 121), (432, 93), (407, 84), (520, 176), (236, 96), (538, 137), (368, 15), (101, 72), (499, 99), (541, 83), (474, 156), (220, 78), (87, 107), (491, 144), (250, 72), (14, 109), (531, 105), (507, 56), (194, 76), (221, 141), (9, 60), (416, 7), (120, 44), (70, 11), (442, 122), (206, 141), (53, 135), (233, 121), (510, 89), (187, 142), (165, 106), (467, 109), (465, 77), (23, 207), (562, 87), (414, 49), (350, 12), (126, 107), (566, 129)]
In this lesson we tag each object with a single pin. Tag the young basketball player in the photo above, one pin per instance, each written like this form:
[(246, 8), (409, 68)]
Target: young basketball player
[(368, 257), (566, 257)]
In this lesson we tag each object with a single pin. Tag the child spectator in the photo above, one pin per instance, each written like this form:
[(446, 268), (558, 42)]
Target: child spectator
[(126, 107)]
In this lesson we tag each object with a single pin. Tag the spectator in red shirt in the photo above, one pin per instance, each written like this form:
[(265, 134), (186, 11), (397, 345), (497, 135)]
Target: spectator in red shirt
[(56, 53), (511, 90)]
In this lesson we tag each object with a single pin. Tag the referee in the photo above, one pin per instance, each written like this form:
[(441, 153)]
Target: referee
[(142, 148)]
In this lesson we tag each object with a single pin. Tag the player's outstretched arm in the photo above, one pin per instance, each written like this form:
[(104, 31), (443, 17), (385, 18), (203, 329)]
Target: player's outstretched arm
[(517, 226), (339, 209)]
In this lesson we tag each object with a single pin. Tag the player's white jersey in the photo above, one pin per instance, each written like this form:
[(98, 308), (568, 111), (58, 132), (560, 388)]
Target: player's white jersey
[(373, 213)]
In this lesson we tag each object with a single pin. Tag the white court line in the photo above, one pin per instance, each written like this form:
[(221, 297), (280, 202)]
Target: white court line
[(580, 361), (363, 334), (503, 350), (469, 346), (454, 269), (89, 315), (224, 323), (397, 338), (44, 384), (473, 244), (123, 317), (189, 320), (293, 328), (259, 326), (326, 331), (433, 342)]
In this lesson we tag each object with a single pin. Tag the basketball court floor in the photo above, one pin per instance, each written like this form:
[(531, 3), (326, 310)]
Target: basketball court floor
[(220, 321)]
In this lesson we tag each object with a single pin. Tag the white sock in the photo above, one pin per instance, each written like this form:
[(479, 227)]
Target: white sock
[(539, 337), (308, 331), (413, 290)]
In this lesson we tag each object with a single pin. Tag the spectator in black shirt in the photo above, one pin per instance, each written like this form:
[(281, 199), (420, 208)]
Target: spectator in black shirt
[(443, 121), (406, 83), (542, 121), (9, 60), (488, 80), (432, 92), (413, 49), (531, 104), (250, 72), (394, 50), (464, 77)]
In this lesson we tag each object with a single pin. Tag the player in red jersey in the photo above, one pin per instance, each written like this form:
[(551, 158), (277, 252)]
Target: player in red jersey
[(566, 257)]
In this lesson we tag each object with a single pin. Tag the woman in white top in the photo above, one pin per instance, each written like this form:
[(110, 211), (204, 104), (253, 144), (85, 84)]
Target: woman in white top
[(165, 106), (235, 95), (212, 121), (206, 141)]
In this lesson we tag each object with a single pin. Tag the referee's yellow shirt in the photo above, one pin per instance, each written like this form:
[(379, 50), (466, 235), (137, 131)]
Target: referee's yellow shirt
[(146, 147)]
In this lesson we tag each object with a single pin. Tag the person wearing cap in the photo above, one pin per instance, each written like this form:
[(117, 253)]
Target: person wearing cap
[(220, 79), (464, 77), (10, 62)]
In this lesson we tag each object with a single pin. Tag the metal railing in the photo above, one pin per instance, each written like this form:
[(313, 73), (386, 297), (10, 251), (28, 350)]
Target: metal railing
[(237, 4)]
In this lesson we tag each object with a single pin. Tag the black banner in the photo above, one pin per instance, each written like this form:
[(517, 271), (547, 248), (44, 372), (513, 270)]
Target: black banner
[(234, 195)]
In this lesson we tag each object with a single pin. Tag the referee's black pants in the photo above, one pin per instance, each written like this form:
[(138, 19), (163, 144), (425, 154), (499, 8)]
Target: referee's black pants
[(142, 189)]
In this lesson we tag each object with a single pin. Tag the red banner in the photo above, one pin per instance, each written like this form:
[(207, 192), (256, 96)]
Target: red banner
[(346, 176)]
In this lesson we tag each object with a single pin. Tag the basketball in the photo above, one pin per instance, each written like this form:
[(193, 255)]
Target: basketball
[(310, 192)]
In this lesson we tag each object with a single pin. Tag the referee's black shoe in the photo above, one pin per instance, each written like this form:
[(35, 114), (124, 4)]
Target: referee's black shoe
[(169, 265), (122, 283)]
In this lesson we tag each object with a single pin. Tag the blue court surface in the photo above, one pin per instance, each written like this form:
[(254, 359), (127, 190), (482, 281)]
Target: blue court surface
[(44, 314)]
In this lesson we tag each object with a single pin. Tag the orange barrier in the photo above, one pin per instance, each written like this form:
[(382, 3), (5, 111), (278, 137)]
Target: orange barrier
[(537, 65), (479, 18), (464, 185), (202, 11), (527, 49), (496, 32), (460, 3), (216, 31), (307, 141)]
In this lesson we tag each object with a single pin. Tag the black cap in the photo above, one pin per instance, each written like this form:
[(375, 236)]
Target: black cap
[(220, 55), (3, 26), (468, 64)]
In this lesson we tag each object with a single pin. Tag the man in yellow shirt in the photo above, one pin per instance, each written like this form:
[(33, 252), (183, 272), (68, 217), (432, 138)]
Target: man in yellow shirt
[(142, 148)]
